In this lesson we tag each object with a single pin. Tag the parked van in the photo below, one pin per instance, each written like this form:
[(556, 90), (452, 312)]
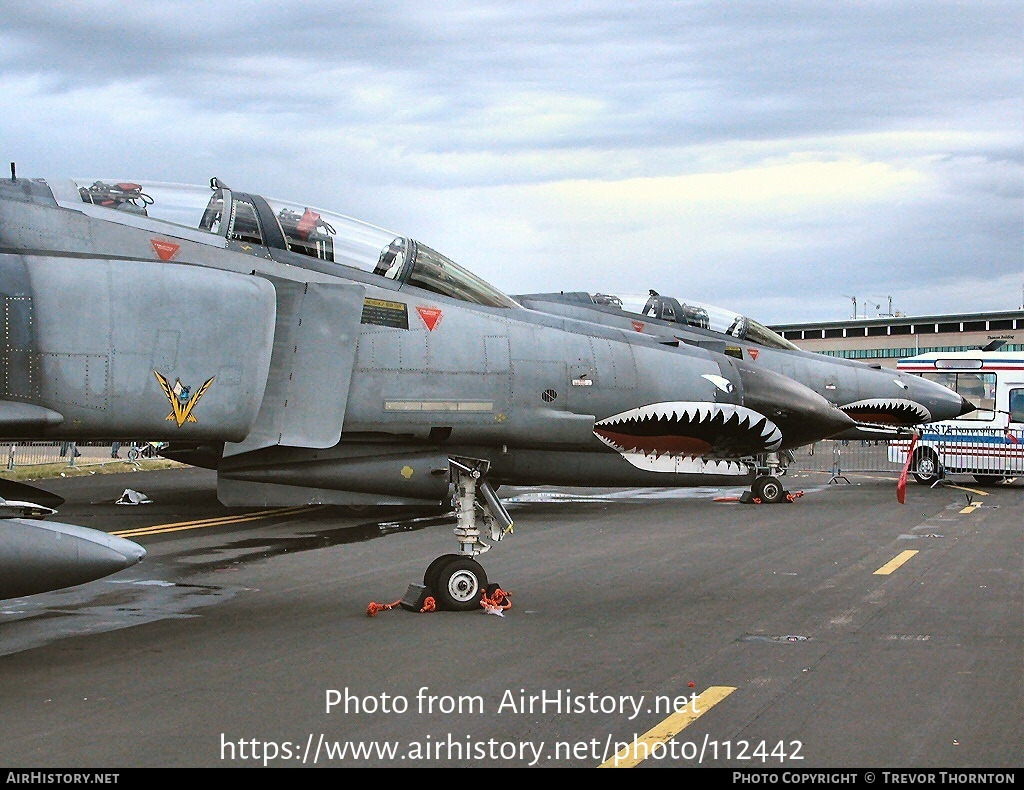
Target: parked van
[(987, 443)]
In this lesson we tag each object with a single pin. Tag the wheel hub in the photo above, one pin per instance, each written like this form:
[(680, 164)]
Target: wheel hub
[(463, 585)]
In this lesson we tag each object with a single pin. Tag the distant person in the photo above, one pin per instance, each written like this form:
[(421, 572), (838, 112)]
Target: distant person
[(114, 450)]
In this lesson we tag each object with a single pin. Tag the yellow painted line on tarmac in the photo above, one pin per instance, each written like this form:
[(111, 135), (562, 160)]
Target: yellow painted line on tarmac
[(636, 752), (970, 508), (895, 562), (180, 526), (969, 490)]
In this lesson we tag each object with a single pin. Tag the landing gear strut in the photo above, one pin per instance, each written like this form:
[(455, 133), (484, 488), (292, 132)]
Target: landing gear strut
[(457, 582)]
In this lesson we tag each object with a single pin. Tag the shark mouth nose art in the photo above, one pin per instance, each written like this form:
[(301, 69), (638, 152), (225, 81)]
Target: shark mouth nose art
[(887, 411), (689, 430)]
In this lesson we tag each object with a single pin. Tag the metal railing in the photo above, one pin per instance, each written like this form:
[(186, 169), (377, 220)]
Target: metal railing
[(981, 453), (21, 454)]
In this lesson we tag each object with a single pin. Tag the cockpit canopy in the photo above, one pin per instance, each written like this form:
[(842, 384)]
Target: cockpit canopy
[(295, 228), (695, 314)]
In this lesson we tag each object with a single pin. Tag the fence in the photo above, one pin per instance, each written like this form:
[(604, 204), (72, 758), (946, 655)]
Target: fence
[(21, 454), (983, 453)]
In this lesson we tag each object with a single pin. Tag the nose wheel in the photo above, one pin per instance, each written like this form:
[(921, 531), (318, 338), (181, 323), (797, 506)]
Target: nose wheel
[(458, 582), (434, 568), (768, 489)]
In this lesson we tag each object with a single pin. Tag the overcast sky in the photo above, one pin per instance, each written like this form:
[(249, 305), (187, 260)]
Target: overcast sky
[(776, 158)]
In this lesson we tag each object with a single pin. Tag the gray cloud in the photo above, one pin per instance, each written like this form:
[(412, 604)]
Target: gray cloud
[(549, 146)]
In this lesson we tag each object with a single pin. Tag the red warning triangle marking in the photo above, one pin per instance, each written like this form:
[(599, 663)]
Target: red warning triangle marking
[(430, 316), (753, 353), (639, 326), (165, 250)]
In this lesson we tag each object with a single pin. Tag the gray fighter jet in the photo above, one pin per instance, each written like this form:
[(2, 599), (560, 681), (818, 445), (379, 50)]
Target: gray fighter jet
[(312, 358), (882, 401)]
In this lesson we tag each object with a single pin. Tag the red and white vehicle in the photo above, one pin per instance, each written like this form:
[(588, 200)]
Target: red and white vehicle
[(987, 443)]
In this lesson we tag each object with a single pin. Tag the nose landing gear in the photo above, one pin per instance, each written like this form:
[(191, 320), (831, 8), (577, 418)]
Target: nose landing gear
[(767, 488), (457, 582)]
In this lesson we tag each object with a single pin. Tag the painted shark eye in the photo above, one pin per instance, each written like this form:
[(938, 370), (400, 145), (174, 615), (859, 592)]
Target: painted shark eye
[(722, 383), (901, 384)]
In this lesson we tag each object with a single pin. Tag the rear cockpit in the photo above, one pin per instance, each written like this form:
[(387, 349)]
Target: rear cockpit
[(291, 233), (695, 314)]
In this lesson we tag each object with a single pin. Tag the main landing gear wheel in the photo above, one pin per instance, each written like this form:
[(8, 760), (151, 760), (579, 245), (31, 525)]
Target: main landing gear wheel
[(461, 583), (768, 489)]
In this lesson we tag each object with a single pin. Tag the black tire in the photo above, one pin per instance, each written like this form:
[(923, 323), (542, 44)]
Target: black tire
[(989, 480), (434, 568), (926, 467), (768, 489), (461, 584)]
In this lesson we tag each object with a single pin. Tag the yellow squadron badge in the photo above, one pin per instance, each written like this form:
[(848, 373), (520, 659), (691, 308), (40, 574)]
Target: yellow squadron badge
[(182, 402)]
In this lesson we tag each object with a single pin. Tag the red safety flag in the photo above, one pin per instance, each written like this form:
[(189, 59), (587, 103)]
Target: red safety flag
[(901, 486)]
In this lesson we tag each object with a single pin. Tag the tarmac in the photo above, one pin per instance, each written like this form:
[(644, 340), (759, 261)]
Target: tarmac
[(841, 630)]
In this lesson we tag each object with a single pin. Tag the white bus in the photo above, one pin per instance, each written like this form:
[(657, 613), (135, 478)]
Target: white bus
[(987, 443)]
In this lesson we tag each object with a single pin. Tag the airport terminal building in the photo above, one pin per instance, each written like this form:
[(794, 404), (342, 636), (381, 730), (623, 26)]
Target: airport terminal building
[(886, 339)]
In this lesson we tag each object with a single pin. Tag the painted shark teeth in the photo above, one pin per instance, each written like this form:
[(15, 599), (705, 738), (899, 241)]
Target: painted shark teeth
[(681, 464), (655, 435), (888, 411)]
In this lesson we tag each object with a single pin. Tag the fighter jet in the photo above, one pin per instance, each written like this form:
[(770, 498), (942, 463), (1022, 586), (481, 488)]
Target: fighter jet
[(311, 358), (883, 402)]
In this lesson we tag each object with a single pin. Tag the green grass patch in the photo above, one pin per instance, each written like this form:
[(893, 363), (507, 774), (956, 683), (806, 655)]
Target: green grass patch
[(83, 468)]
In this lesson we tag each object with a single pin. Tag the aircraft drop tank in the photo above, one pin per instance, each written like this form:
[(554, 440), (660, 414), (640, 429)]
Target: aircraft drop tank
[(39, 556)]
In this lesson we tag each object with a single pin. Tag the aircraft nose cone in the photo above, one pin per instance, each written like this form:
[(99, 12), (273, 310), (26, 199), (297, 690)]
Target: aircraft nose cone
[(942, 403), (802, 415)]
